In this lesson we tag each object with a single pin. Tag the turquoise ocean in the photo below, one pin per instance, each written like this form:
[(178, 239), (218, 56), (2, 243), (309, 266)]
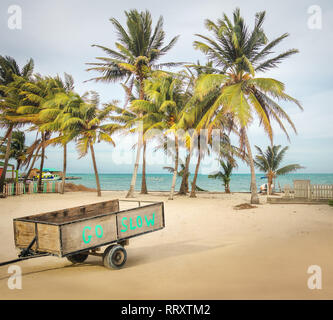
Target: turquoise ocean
[(162, 182)]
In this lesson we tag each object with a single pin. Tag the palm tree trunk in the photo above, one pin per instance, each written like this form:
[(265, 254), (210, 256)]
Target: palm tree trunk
[(194, 182), (175, 171), (254, 194), (184, 185), (32, 165), (143, 179), (95, 170), (130, 193), (64, 170), (4, 171), (39, 184), (227, 187), (269, 182)]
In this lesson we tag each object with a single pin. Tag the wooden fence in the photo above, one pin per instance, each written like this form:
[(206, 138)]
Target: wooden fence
[(12, 189), (321, 191), (303, 189)]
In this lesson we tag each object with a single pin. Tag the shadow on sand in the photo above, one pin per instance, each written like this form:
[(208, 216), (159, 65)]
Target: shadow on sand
[(137, 256)]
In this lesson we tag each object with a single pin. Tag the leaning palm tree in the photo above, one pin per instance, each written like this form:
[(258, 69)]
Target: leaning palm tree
[(51, 116), (237, 55), (54, 125), (18, 149), (85, 123), (8, 70), (10, 103), (33, 154), (35, 93), (138, 50), (270, 161)]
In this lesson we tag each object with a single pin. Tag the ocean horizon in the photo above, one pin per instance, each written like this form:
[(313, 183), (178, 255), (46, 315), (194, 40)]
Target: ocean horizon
[(240, 182)]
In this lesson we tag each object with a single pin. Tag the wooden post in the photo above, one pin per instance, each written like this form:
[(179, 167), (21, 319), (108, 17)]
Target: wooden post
[(287, 191)]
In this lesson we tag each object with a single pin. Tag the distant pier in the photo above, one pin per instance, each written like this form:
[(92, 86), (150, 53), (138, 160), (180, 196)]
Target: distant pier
[(73, 178)]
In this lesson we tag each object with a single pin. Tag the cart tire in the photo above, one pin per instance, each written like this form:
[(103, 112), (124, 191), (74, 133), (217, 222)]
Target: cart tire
[(114, 257), (78, 258)]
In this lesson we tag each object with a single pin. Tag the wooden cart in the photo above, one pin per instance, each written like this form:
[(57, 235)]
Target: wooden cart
[(77, 232)]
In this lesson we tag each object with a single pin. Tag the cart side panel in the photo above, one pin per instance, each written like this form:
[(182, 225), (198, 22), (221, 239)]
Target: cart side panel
[(48, 238), (93, 232), (75, 213), (140, 220), (24, 233)]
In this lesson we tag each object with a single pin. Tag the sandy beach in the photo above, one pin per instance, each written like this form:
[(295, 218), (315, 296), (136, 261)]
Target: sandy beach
[(208, 250)]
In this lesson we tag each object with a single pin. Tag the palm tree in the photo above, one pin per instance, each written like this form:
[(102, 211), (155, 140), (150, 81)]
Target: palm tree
[(162, 110), (132, 122), (192, 113), (224, 175), (189, 118), (18, 149), (270, 161), (51, 115), (180, 174), (35, 93), (33, 154), (8, 70), (138, 50), (84, 121), (10, 103), (201, 149), (237, 55)]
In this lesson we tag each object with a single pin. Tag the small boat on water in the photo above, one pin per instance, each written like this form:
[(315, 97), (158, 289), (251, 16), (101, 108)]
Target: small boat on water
[(47, 176)]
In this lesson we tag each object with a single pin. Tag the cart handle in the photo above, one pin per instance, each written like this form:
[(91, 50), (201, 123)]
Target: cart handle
[(24, 258), (26, 254)]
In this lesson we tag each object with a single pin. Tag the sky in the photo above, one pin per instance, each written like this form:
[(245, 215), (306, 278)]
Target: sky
[(58, 35)]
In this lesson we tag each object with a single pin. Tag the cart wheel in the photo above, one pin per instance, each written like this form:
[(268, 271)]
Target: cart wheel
[(78, 258), (114, 257)]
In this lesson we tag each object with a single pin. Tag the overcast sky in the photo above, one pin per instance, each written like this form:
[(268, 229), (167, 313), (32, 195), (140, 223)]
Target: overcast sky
[(58, 35)]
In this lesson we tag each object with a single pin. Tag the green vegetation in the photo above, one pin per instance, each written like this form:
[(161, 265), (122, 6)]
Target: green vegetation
[(238, 54), (18, 149), (138, 50), (224, 175), (223, 94), (270, 161)]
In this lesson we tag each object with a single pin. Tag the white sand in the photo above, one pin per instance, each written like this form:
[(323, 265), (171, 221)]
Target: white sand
[(207, 251)]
